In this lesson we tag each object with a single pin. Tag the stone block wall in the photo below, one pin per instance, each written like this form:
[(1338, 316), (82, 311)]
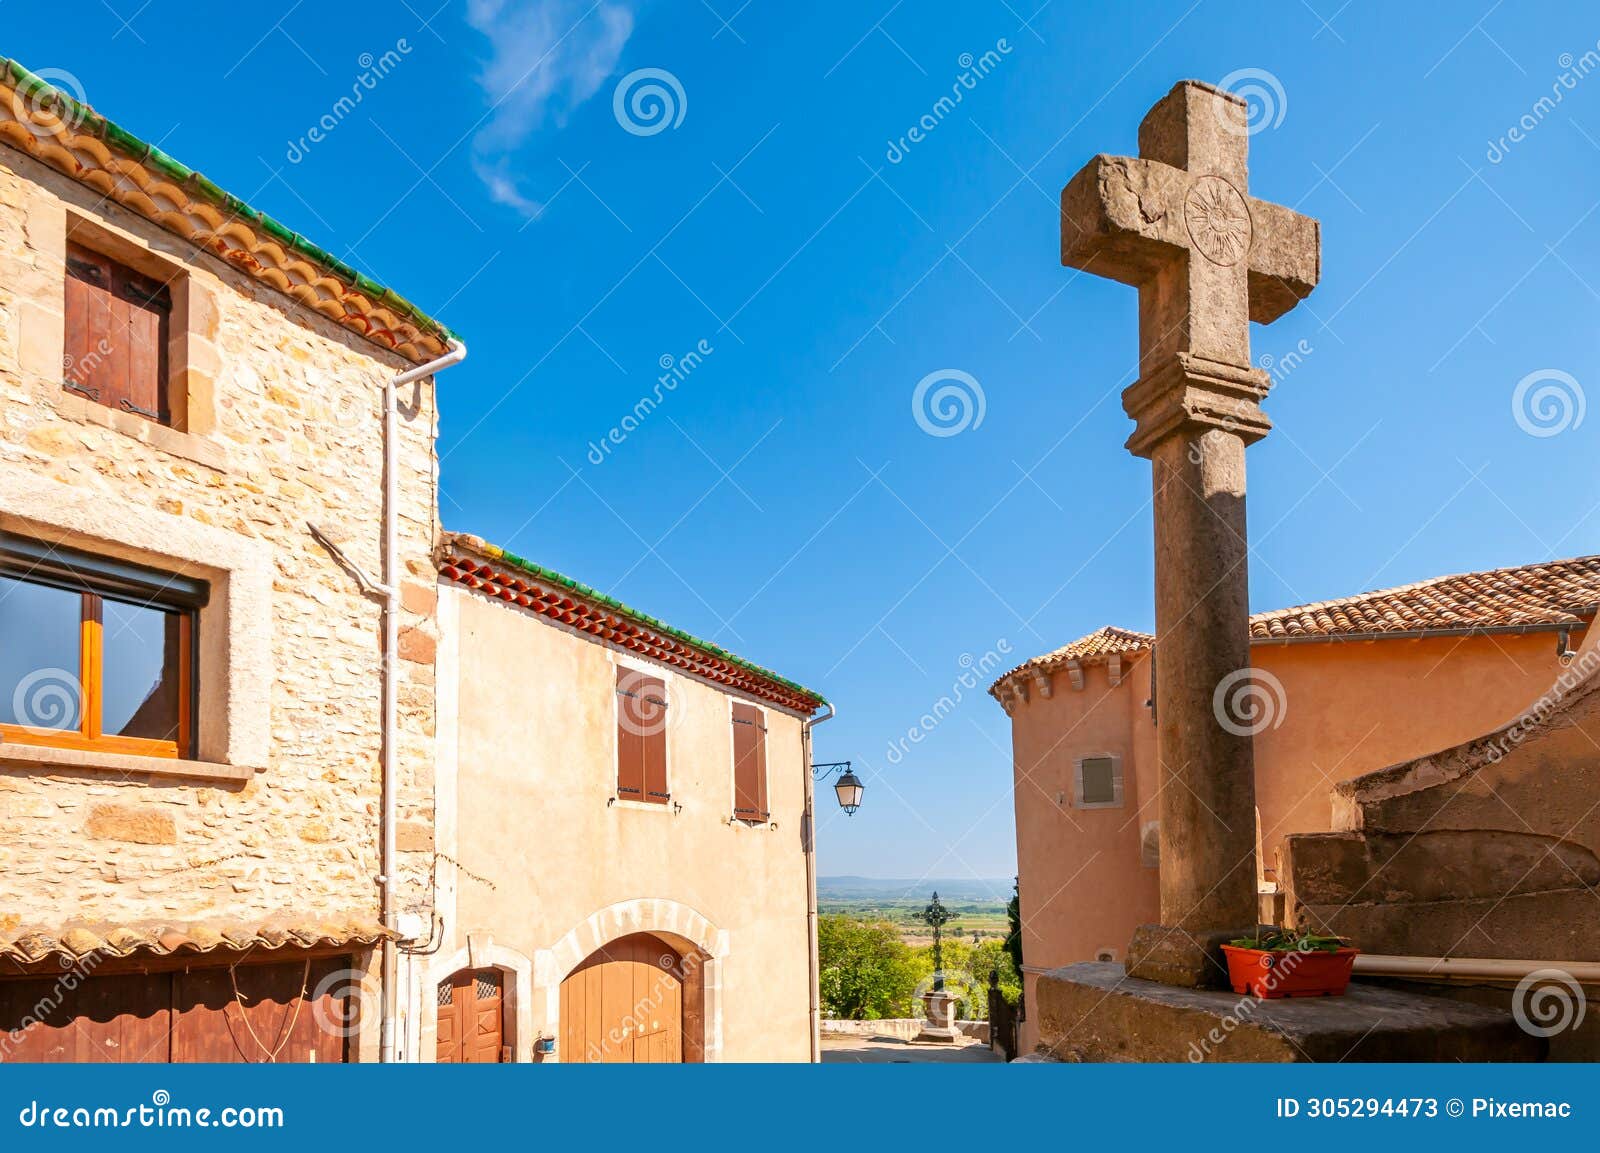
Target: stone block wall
[(282, 428)]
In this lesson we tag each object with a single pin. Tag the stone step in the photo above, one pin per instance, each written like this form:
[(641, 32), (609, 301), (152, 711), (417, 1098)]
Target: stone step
[(1461, 892), (1557, 923), (1093, 1011)]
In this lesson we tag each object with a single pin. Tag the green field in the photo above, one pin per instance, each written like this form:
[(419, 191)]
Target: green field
[(977, 908)]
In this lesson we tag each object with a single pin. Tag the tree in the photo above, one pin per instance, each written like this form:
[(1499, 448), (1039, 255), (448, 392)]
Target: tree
[(966, 974), (1014, 943), (865, 971), (1014, 926)]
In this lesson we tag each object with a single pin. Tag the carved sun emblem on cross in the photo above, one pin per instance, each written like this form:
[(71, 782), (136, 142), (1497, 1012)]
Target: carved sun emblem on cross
[(1218, 220)]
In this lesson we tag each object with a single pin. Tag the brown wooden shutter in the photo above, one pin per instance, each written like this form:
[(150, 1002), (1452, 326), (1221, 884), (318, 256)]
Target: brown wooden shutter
[(630, 738), (749, 763), (653, 708), (116, 334), (88, 322)]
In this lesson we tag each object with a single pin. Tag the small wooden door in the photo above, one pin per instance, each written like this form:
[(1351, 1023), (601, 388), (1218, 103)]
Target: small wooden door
[(471, 1028), (624, 1004)]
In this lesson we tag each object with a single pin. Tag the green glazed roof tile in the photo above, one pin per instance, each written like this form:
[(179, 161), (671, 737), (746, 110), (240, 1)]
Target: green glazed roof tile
[(92, 122), (495, 552)]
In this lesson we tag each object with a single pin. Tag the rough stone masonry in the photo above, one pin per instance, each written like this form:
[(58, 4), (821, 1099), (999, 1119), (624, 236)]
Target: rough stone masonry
[(290, 434)]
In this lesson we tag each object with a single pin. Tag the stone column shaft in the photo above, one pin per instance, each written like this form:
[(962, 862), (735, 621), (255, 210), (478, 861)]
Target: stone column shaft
[(1206, 775)]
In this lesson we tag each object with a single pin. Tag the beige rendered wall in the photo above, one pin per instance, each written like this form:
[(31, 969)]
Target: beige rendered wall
[(284, 430), (528, 757), (1348, 708)]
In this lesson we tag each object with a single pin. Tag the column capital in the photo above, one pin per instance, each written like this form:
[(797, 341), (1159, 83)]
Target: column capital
[(1189, 394)]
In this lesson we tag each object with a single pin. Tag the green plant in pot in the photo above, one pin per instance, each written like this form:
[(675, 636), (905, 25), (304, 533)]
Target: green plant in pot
[(1290, 963)]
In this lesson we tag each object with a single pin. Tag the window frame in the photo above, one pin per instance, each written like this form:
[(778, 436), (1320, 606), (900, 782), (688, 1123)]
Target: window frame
[(98, 579), (765, 799), (1117, 793)]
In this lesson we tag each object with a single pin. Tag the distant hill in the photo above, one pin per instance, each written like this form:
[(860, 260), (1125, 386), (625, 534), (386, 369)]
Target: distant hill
[(879, 889)]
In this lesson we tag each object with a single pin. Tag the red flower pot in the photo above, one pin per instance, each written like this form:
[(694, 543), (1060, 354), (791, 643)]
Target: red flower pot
[(1289, 974)]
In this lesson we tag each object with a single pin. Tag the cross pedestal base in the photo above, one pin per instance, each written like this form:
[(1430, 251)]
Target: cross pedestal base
[(940, 1025)]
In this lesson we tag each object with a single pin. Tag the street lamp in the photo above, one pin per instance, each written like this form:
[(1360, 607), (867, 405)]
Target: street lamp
[(848, 788)]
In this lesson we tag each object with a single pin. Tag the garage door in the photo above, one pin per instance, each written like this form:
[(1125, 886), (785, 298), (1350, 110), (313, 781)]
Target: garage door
[(245, 1014)]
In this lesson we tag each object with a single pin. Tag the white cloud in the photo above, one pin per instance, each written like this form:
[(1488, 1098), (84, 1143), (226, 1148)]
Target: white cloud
[(547, 58), (503, 188)]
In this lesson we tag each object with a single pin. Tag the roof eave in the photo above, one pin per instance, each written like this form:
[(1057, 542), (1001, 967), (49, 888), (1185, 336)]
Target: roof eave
[(492, 553), (1577, 622), (114, 137)]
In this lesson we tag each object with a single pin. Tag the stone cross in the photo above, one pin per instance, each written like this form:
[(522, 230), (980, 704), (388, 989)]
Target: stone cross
[(1178, 223)]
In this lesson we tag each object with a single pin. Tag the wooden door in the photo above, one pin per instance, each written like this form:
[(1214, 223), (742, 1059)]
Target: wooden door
[(250, 1014), (263, 1014), (471, 1023), (624, 1004), (110, 1019)]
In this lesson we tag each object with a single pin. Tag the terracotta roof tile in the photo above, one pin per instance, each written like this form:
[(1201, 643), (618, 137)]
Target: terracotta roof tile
[(70, 942), (1095, 647), (56, 129), (1548, 595), (1555, 593), (476, 564)]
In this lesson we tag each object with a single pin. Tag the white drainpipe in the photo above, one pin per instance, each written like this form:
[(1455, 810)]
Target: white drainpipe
[(811, 881), (390, 589), (1470, 968)]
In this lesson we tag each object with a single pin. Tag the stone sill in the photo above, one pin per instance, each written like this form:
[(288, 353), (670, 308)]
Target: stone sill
[(44, 757), (158, 436), (644, 806)]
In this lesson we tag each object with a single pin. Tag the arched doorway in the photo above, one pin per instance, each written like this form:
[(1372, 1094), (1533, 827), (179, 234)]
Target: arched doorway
[(635, 1000), (470, 1027)]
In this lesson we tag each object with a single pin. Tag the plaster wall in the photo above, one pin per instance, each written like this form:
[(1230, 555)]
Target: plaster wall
[(528, 758), (1345, 709)]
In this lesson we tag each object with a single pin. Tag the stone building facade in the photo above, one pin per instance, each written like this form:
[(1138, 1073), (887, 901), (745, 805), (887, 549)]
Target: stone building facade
[(263, 830), (193, 659)]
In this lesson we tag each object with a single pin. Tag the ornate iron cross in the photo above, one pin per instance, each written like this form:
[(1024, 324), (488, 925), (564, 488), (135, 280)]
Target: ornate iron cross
[(937, 915)]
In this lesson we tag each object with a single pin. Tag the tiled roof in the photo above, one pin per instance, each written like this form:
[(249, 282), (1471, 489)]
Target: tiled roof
[(52, 127), (477, 564), (1549, 595), (1101, 643), (1560, 592), (74, 941)]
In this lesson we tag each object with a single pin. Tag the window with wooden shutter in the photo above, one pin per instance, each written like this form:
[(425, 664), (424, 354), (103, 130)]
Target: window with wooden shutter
[(116, 335), (641, 737), (749, 763)]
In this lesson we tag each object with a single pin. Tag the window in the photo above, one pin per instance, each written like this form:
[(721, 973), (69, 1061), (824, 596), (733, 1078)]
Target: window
[(749, 763), (117, 324), (641, 737), (1099, 782), (95, 653)]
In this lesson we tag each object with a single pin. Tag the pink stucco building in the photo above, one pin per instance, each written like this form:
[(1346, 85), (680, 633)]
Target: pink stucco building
[(1339, 689)]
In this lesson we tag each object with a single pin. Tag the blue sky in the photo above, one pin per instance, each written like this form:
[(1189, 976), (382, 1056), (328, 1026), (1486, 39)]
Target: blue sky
[(783, 499)]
